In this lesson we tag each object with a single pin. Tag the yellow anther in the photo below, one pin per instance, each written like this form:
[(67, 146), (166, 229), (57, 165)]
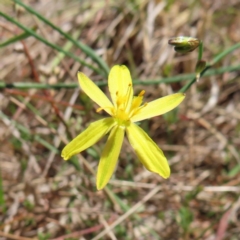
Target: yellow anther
[(141, 93), (99, 110), (137, 109), (104, 108)]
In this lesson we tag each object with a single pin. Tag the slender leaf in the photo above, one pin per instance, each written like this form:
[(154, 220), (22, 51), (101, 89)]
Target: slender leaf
[(178, 78), (79, 44), (52, 45), (16, 38)]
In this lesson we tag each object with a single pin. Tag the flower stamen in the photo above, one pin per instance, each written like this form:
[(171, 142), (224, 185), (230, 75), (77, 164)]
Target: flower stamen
[(141, 93), (123, 100), (128, 95), (104, 108), (136, 110), (99, 109)]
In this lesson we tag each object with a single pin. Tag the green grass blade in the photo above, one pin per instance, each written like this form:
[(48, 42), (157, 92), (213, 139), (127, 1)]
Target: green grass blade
[(66, 47), (79, 44), (216, 59), (26, 131), (16, 38), (179, 78), (2, 201), (54, 46), (222, 54)]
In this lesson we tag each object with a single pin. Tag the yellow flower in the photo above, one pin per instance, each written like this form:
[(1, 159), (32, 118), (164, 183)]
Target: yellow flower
[(125, 109)]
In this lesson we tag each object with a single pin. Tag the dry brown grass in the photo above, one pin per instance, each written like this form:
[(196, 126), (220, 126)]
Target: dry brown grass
[(47, 198)]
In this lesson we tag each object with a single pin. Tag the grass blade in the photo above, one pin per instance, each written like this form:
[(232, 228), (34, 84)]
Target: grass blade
[(54, 46), (2, 201), (79, 44), (179, 78), (16, 38)]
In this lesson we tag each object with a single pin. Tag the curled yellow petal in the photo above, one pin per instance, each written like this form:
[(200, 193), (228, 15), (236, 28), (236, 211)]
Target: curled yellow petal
[(94, 92), (87, 138), (109, 156), (120, 84), (158, 107), (150, 155)]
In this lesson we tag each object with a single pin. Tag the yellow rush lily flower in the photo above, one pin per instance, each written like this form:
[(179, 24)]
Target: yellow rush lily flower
[(125, 109)]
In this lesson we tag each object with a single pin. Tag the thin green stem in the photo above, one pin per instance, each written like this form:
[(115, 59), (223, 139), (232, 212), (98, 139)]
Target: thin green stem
[(54, 46), (2, 200), (79, 44), (25, 130), (16, 38), (183, 77), (200, 50), (68, 45), (189, 84), (214, 61), (224, 53)]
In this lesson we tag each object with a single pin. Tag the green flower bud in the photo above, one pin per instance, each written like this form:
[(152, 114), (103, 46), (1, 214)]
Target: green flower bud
[(201, 64), (184, 44)]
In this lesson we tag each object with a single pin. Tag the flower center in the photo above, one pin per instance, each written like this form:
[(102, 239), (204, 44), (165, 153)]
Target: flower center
[(126, 106)]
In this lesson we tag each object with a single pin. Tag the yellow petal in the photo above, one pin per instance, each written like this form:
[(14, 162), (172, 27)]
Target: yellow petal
[(87, 138), (109, 156), (147, 151), (94, 92), (158, 107), (120, 83)]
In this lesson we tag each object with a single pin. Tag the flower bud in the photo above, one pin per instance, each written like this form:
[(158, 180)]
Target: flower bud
[(201, 64), (184, 44)]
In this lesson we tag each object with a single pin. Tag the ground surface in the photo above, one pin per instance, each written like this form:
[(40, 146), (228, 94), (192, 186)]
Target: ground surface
[(43, 197)]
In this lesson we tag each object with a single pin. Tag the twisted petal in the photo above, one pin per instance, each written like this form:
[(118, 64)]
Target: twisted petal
[(87, 138), (147, 151), (120, 84), (94, 92), (109, 156), (158, 107)]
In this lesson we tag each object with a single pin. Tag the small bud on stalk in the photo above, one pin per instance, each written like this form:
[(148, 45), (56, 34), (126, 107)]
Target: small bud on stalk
[(184, 44), (199, 68)]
